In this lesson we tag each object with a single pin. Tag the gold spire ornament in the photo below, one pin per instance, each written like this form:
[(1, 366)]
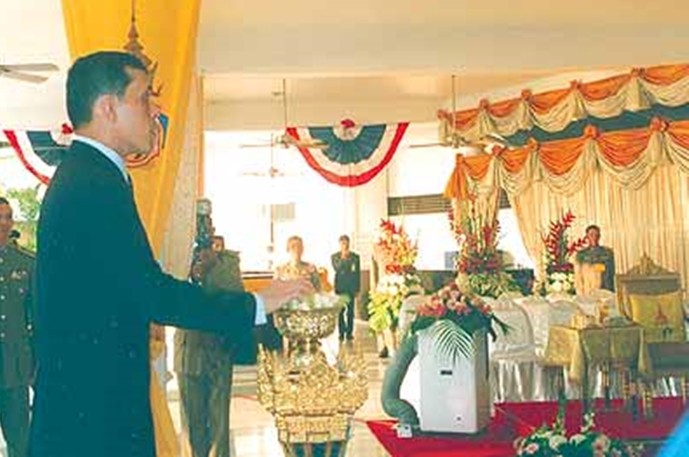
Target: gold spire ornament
[(135, 48)]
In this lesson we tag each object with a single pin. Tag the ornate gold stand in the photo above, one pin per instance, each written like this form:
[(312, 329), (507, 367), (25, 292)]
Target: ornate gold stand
[(313, 402)]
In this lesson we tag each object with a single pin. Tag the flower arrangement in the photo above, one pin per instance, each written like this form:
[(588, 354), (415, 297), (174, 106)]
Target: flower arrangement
[(552, 441), (453, 318), (386, 300), (396, 253), (559, 271), (394, 249), (479, 263)]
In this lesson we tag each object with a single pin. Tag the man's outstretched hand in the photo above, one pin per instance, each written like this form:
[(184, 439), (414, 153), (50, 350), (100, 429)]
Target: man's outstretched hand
[(279, 292)]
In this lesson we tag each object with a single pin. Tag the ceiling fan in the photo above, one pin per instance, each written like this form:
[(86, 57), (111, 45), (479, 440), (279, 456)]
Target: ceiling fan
[(284, 139), (24, 72), (272, 171), (450, 138)]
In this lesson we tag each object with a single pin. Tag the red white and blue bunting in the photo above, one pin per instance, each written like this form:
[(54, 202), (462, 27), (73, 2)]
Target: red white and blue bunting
[(355, 153), (40, 151)]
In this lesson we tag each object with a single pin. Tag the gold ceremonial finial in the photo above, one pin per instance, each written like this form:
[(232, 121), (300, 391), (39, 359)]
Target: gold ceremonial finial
[(134, 47)]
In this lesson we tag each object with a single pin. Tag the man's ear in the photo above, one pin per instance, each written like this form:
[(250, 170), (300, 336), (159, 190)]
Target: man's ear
[(105, 108)]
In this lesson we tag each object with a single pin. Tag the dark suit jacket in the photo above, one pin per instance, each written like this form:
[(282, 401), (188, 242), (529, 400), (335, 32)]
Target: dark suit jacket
[(98, 289), (347, 273)]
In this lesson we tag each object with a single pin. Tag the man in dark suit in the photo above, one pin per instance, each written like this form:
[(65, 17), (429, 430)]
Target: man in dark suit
[(347, 282), (16, 360), (99, 286)]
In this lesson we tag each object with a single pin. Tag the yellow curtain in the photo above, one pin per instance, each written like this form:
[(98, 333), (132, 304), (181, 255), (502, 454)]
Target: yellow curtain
[(168, 31), (649, 220), (181, 225)]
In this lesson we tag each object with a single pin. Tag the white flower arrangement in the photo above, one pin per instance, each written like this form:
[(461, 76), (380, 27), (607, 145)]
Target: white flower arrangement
[(551, 441), (315, 301), (560, 283)]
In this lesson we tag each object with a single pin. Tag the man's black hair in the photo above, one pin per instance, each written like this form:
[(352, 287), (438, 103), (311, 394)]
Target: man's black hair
[(94, 75)]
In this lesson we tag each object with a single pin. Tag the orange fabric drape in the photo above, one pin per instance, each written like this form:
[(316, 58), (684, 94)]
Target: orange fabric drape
[(620, 149), (665, 74), (624, 148), (502, 109), (457, 186), (599, 90), (558, 157), (679, 132), (515, 159), (475, 167), (541, 103)]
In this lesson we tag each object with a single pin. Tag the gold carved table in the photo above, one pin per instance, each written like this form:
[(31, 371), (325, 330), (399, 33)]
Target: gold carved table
[(579, 349)]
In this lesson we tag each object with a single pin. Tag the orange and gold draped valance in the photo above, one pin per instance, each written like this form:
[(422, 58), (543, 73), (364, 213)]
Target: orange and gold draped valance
[(629, 156), (553, 111)]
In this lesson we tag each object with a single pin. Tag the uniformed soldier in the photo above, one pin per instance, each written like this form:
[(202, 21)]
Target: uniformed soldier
[(203, 361), (16, 355), (347, 268)]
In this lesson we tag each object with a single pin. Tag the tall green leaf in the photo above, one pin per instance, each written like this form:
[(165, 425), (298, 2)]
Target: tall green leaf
[(452, 341)]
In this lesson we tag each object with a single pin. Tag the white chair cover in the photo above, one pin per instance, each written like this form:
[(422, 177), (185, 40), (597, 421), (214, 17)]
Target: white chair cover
[(538, 310), (587, 304), (514, 295), (513, 359), (561, 312)]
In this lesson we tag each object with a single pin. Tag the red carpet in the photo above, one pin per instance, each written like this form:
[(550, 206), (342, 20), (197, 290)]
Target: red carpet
[(515, 419)]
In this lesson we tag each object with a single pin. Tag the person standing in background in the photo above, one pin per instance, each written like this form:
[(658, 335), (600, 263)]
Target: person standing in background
[(347, 268), (597, 259), (16, 353), (203, 361), (296, 268)]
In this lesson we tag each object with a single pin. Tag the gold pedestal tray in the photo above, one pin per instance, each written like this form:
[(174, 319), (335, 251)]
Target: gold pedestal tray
[(303, 330), (313, 402)]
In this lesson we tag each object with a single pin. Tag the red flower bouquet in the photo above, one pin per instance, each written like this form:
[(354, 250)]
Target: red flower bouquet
[(558, 249), (455, 317)]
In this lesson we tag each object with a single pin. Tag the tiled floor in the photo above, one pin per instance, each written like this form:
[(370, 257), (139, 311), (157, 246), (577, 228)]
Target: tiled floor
[(252, 431)]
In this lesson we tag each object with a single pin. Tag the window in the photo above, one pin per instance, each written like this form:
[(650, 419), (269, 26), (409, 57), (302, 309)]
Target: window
[(262, 196)]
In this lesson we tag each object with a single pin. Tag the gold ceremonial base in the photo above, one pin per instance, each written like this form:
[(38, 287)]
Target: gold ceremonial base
[(313, 402), (323, 436)]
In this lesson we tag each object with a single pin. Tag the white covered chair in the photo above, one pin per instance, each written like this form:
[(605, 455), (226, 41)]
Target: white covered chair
[(561, 312), (513, 358), (538, 310), (587, 304)]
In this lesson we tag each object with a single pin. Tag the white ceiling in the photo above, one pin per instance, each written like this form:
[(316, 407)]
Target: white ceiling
[(374, 61)]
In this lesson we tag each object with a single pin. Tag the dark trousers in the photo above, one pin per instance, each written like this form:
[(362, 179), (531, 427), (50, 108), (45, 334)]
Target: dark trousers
[(14, 419), (346, 327), (205, 408)]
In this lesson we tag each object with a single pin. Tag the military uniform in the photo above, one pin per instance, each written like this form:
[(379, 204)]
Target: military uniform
[(203, 363), (604, 256), (347, 283), (16, 354)]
